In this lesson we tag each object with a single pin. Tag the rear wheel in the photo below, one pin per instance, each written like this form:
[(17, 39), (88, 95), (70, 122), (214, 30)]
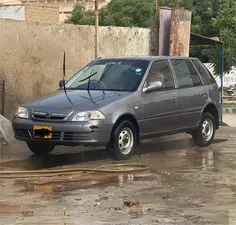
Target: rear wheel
[(40, 147), (204, 134), (123, 140)]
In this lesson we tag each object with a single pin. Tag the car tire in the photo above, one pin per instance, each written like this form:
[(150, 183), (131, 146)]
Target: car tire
[(205, 133), (40, 148), (123, 140)]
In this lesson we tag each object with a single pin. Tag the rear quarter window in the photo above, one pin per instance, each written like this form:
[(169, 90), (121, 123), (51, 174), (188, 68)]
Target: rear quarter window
[(204, 72)]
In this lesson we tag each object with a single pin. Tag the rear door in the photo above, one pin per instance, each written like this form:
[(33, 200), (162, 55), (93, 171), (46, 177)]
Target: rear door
[(162, 108), (193, 95), (209, 81)]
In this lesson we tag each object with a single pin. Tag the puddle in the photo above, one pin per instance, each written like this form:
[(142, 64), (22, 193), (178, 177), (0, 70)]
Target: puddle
[(66, 156), (65, 185)]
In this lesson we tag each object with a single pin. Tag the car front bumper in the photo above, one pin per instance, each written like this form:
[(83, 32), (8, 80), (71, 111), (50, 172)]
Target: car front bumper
[(69, 133)]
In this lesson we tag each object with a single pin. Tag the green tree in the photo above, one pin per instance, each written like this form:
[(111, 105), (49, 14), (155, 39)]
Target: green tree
[(225, 24), (81, 16), (131, 13), (125, 13), (214, 18), (211, 18)]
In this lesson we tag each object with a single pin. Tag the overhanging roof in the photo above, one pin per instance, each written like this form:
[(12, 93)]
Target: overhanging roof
[(196, 39)]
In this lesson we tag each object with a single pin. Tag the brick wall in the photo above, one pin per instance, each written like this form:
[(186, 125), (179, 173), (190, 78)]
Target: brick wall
[(41, 13)]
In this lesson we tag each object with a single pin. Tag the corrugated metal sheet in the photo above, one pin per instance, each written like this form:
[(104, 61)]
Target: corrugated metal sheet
[(15, 12), (164, 31), (180, 32)]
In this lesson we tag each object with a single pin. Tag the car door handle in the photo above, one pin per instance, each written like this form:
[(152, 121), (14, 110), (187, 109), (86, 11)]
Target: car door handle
[(203, 95), (174, 99)]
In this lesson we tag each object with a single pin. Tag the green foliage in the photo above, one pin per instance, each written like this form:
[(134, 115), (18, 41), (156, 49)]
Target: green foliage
[(81, 16), (128, 13), (214, 18), (131, 13), (225, 24), (211, 18)]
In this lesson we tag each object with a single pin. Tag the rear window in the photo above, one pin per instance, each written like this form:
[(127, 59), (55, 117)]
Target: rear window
[(203, 71), (186, 74)]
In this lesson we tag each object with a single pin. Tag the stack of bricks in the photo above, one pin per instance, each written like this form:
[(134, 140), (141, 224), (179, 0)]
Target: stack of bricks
[(41, 13)]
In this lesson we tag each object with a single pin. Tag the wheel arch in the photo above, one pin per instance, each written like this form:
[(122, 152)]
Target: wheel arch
[(127, 116), (212, 109)]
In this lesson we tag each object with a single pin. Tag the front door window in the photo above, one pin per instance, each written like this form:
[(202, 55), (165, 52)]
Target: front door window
[(160, 71)]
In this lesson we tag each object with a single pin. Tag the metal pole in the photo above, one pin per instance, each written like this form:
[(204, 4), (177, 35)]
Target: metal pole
[(96, 29), (3, 97), (177, 4), (222, 78), (157, 24)]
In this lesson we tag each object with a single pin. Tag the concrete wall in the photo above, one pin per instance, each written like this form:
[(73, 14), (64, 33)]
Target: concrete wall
[(31, 54)]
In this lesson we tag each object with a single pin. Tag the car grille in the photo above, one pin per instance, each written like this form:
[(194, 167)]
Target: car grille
[(56, 135), (49, 116), (74, 136), (22, 133)]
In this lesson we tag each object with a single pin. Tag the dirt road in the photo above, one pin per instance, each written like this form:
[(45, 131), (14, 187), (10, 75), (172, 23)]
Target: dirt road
[(184, 185)]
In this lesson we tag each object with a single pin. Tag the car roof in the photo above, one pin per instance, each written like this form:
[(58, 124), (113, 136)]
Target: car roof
[(147, 58)]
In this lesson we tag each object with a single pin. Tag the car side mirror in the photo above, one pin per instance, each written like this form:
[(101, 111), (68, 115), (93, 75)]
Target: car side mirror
[(61, 83), (153, 86)]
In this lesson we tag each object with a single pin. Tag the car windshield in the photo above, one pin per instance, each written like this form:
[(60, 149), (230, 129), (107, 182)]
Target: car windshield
[(110, 75)]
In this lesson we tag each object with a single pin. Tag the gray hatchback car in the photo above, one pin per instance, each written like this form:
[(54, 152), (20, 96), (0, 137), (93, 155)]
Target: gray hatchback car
[(116, 102)]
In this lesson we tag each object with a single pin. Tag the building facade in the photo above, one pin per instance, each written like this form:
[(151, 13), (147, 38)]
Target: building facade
[(65, 6), (30, 12)]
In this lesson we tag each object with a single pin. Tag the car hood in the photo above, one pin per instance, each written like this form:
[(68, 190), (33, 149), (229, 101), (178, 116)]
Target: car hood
[(78, 100)]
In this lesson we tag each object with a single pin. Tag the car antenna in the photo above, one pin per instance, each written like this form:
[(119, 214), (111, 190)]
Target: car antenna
[(64, 75), (91, 99)]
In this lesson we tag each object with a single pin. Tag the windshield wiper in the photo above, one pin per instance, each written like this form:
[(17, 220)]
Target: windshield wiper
[(93, 74), (108, 68), (88, 77)]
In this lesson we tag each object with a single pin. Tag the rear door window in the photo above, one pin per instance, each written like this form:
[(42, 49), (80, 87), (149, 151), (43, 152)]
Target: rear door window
[(203, 71), (186, 74)]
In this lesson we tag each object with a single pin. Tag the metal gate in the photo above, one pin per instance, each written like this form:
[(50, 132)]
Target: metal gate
[(2, 97)]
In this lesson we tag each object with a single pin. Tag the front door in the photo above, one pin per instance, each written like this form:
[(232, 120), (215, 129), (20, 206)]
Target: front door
[(162, 108)]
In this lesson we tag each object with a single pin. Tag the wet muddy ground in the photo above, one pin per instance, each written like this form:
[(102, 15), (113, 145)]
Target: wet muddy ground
[(183, 185)]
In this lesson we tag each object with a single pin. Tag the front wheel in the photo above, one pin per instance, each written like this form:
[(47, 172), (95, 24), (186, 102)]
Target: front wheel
[(40, 147), (204, 134), (124, 140)]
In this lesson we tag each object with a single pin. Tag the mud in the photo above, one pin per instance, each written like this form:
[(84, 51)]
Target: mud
[(184, 185)]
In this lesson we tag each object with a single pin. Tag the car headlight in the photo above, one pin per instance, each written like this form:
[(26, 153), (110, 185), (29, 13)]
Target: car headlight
[(22, 113), (89, 115)]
